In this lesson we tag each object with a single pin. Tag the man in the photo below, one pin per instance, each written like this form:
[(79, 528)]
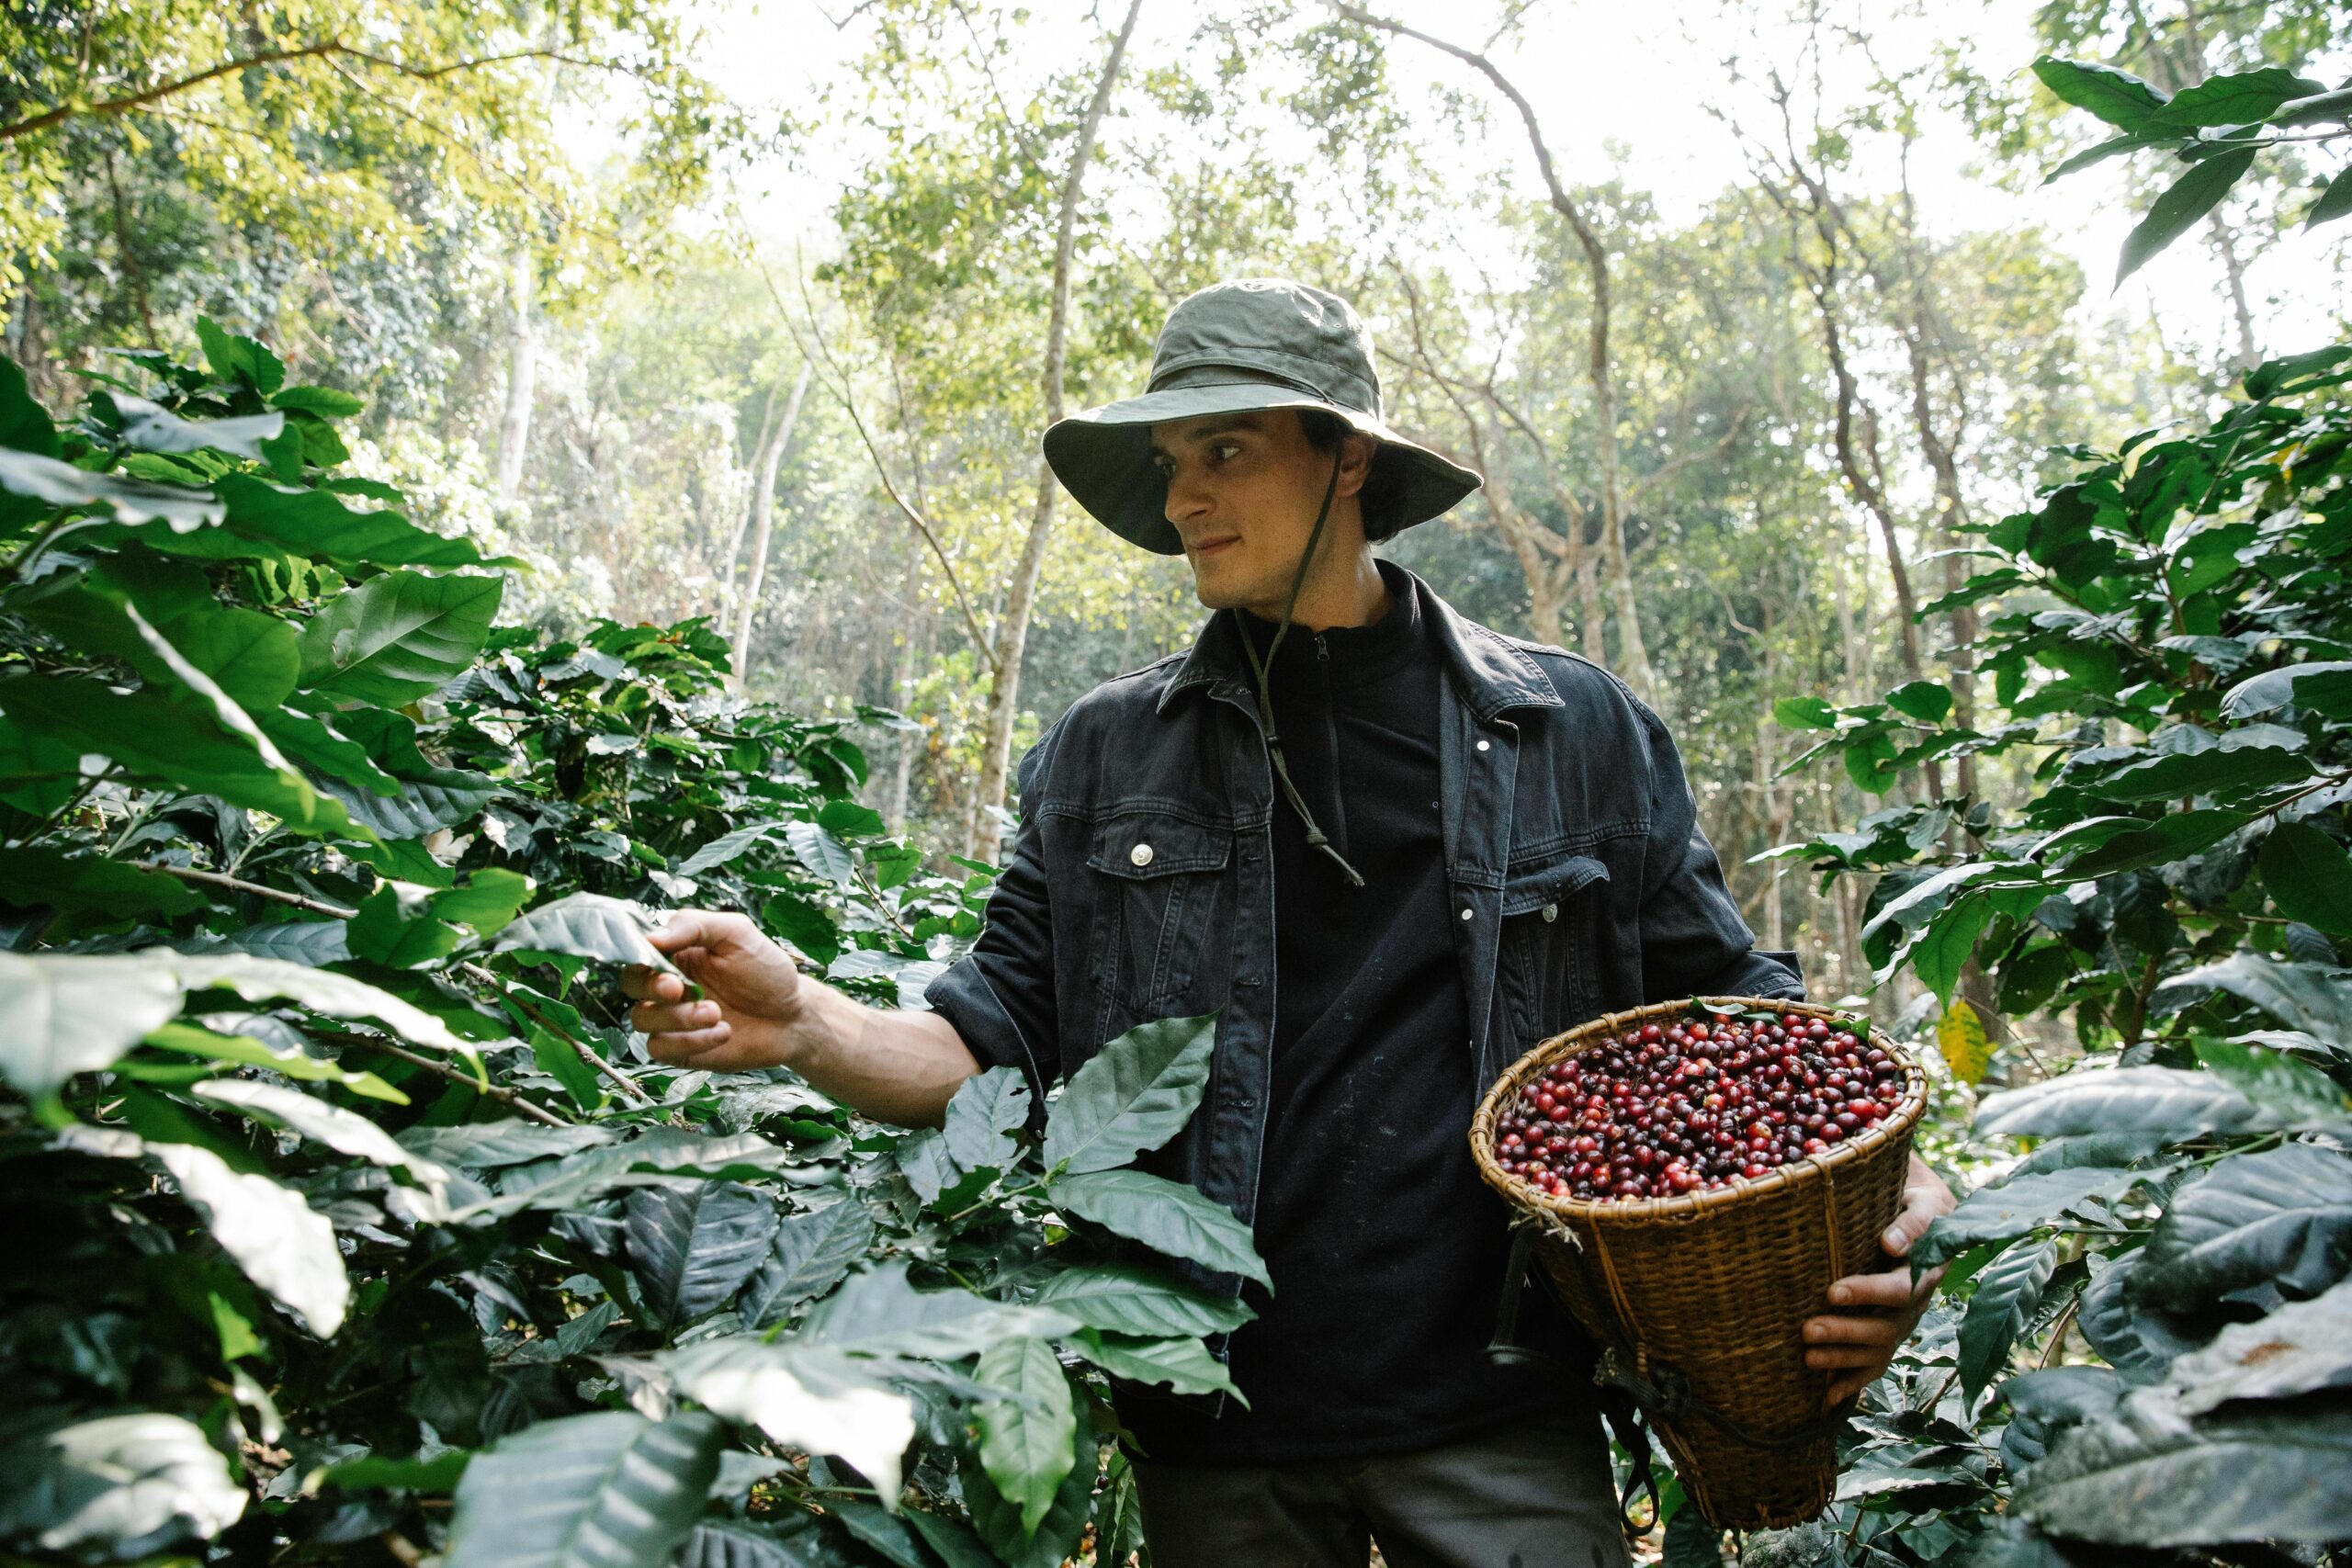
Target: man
[(1434, 844)]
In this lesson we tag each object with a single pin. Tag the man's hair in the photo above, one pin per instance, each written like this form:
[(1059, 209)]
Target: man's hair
[(1379, 498)]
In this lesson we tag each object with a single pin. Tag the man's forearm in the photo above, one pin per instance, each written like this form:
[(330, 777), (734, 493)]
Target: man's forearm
[(895, 1066)]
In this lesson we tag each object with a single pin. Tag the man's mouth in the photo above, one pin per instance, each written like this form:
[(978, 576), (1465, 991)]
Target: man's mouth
[(1202, 548)]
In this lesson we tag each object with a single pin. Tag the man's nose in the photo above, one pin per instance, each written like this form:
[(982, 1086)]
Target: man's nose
[(1187, 498)]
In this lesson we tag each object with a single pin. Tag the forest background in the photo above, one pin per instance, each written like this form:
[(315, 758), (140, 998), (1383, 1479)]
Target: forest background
[(756, 313)]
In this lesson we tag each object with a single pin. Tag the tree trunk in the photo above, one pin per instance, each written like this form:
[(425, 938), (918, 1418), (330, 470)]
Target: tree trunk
[(914, 652), (522, 368), (730, 605), (1020, 592), (763, 518)]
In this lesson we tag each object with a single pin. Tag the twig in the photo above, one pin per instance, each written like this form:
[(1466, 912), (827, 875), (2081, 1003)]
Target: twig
[(2058, 1335), (528, 1109), (627, 1085), (238, 884)]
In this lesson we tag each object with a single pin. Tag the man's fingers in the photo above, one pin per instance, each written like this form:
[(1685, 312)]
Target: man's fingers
[(1882, 1332), (680, 1047), (1845, 1357), (1841, 1389), (1891, 1288), (701, 927), (673, 1017), (642, 983)]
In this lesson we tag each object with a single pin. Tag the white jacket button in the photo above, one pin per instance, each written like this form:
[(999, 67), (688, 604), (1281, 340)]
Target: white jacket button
[(1140, 854), (1551, 913)]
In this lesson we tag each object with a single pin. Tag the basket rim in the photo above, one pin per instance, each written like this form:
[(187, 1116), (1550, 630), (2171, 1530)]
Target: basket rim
[(1683, 1207)]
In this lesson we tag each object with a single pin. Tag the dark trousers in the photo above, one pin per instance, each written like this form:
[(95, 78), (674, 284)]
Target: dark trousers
[(1533, 1494)]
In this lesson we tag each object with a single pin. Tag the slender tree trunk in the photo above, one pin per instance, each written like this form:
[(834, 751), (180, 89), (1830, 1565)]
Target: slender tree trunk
[(2225, 247), (914, 652), (730, 605), (763, 520), (1020, 592), (522, 369)]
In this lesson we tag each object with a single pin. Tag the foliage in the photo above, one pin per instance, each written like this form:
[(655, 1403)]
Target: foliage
[(341, 1191), (2174, 652)]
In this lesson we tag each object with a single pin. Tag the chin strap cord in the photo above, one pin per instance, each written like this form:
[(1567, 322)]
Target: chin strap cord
[(1314, 838)]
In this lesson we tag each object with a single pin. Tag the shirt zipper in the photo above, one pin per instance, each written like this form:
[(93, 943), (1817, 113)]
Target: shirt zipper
[(1339, 829)]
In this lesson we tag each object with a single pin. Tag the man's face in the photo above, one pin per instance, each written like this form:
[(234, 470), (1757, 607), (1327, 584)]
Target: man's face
[(1243, 489)]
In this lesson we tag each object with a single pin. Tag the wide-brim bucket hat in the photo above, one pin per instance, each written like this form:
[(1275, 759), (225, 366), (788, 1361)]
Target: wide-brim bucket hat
[(1255, 343)]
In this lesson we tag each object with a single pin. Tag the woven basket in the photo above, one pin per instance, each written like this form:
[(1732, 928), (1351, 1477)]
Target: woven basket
[(1696, 1300)]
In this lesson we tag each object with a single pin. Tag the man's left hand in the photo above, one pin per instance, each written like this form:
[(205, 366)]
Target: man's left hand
[(1871, 1313)]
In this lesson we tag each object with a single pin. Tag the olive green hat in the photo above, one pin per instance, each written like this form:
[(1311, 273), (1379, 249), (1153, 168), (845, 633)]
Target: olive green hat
[(1258, 343)]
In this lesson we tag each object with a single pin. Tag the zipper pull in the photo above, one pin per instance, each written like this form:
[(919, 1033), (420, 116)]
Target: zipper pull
[(1322, 649)]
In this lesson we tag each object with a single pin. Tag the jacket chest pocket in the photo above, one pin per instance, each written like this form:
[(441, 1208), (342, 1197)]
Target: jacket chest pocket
[(1163, 920), (1549, 951)]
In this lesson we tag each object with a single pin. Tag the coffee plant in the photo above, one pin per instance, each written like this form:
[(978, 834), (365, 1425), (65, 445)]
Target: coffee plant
[(349, 1221), (2146, 1356)]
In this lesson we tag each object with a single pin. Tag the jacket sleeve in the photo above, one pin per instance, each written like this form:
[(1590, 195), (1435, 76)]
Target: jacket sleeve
[(1694, 942), (1000, 996)]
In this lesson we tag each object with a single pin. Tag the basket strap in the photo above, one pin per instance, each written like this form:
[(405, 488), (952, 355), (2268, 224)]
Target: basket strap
[(1665, 1394), (1505, 1347)]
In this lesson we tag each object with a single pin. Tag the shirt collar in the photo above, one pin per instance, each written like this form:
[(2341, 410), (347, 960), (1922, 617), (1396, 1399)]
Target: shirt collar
[(1493, 673)]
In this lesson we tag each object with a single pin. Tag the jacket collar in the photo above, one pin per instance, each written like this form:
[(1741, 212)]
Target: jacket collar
[(1492, 673)]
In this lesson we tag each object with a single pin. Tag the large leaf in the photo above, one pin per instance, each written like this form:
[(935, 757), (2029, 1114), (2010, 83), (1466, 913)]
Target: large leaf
[(1183, 1365), (880, 1313), (61, 1015), (117, 1488), (810, 1253), (2007, 1292), (988, 1108), (2118, 97), (2185, 202), (1165, 1215), (316, 525), (2136, 1341), (346, 1132), (739, 1543), (55, 483), (2010, 1209), (1122, 1299), (487, 1145), (1001, 1523), (2309, 877), (2302, 996), (1134, 1095), (607, 1489), (587, 925), (1026, 1438), (2301, 1347), (2152, 1476), (656, 1159), (152, 427), (2323, 687), (2288, 1092), (803, 1398), (321, 990), (694, 1248), (399, 637), (2167, 1101), (2283, 1216), (2239, 97), (282, 1243)]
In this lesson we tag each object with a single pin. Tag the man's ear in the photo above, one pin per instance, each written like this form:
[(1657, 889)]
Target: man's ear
[(1355, 462)]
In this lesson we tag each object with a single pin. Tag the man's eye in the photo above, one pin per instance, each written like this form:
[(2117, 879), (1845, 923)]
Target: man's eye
[(1226, 451)]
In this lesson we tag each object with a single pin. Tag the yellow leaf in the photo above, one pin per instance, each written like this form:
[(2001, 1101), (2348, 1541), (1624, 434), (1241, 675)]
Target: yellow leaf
[(1959, 1034)]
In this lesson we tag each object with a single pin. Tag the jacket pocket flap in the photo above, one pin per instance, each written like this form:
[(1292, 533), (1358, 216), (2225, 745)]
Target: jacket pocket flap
[(1142, 844), (1529, 890)]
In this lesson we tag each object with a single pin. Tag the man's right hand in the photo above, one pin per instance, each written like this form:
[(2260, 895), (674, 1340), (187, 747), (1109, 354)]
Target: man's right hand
[(752, 995)]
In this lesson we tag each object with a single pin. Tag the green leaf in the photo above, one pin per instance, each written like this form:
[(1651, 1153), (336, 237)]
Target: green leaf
[(324, 402), (1183, 1365), (2008, 1293), (1026, 1441), (727, 847), (117, 1488), (879, 1313), (652, 1160), (2174, 837), (607, 1489), (1960, 1036), (1168, 1216), (825, 856), (1123, 1299), (2324, 688), (810, 1255), (2148, 1476), (2186, 761), (2118, 97), (2239, 97), (150, 427), (1000, 1522), (732, 1543), (2335, 200), (692, 1249), (487, 902), (282, 1243), (2308, 996), (1132, 1095), (395, 928), (2301, 1347), (1929, 702), (2004, 1211), (928, 1167), (2283, 1216), (321, 990), (2099, 153), (2138, 1344), (77, 884), (61, 1015), (2309, 877), (315, 524), (1805, 713), (561, 1061), (1691, 1541), (489, 1146), (2187, 198), (244, 1050), (790, 918), (25, 426), (802, 1397), (2288, 1092), (234, 358), (129, 500), (587, 925), (957, 1545), (988, 1108), (879, 1528), (399, 637), (377, 1473), (344, 1131), (2176, 1103), (847, 816)]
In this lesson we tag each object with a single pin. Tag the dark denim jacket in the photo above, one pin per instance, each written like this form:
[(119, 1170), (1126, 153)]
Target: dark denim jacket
[(1140, 885)]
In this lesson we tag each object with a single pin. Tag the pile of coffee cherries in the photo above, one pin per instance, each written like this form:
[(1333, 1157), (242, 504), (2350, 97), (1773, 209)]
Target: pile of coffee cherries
[(1696, 1104)]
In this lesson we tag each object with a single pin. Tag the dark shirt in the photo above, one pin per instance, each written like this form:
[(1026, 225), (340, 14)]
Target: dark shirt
[(1386, 1250)]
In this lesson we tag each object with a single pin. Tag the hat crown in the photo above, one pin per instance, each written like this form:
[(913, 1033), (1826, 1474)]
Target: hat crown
[(1270, 329)]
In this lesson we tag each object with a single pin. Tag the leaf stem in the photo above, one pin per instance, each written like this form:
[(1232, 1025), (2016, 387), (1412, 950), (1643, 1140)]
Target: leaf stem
[(238, 884), (627, 1085), (528, 1109)]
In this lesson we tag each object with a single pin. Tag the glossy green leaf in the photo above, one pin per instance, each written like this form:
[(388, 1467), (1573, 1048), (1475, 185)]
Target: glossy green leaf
[(1183, 1365), (988, 1108), (2335, 200), (89, 883), (344, 1131), (2009, 1290), (2323, 687), (2301, 1347), (881, 1313), (489, 1146), (316, 525), (2118, 97), (2186, 200), (117, 1488), (1001, 1524), (55, 483), (1929, 702), (823, 855), (2308, 996), (2283, 1216), (2290, 1093), (65, 1014), (2176, 1103), (1805, 713), (1165, 1215), (1126, 1299), (399, 637), (2309, 877), (2005, 1211), (693, 1249), (2238, 97), (1027, 1439), (282, 1243), (605, 1490), (587, 925), (1132, 1095), (803, 1397), (810, 1253)]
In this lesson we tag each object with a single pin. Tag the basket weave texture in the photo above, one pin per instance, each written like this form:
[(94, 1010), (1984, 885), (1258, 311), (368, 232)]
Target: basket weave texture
[(1697, 1301)]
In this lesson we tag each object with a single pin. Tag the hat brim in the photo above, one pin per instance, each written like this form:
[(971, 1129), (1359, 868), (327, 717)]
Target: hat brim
[(1103, 457)]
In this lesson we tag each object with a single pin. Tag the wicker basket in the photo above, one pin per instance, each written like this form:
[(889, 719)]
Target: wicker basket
[(1696, 1302)]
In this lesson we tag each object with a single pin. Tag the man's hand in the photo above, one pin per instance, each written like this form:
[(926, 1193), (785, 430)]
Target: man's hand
[(1858, 1343), (752, 995)]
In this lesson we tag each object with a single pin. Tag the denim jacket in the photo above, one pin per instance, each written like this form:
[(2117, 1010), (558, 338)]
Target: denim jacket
[(1140, 884)]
